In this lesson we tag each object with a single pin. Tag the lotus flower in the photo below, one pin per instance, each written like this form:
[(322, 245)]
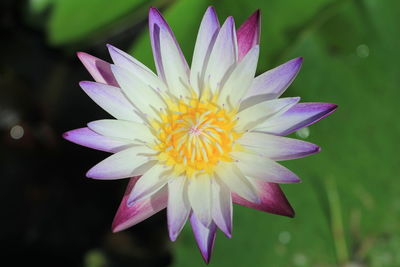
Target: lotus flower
[(195, 140)]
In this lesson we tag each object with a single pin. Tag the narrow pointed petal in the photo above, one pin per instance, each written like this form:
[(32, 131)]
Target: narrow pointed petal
[(178, 208), (222, 207), (110, 99), (138, 69), (223, 56), (140, 211), (248, 34), (205, 237), (133, 131), (236, 181), (271, 84), (263, 168), (130, 162), (176, 71), (156, 24), (199, 192), (277, 147), (272, 199), (98, 68), (146, 99), (150, 182), (257, 115), (89, 138), (297, 117), (240, 79), (204, 43)]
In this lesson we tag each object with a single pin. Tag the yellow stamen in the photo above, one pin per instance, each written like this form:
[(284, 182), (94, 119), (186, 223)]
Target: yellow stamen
[(194, 134)]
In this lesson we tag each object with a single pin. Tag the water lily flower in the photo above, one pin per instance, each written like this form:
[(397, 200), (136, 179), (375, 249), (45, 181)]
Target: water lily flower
[(195, 140)]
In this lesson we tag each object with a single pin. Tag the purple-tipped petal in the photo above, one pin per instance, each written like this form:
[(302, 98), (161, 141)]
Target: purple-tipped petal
[(271, 84), (204, 43), (272, 199), (248, 35), (156, 24), (88, 138), (124, 164), (111, 99), (141, 210), (178, 208), (299, 116), (277, 147), (265, 169), (223, 56), (141, 71), (222, 207), (205, 237), (99, 69)]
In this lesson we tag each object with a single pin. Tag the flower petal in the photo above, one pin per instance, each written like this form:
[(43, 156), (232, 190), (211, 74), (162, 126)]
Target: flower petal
[(205, 237), (99, 69), (140, 211), (88, 138), (240, 79), (126, 163), (178, 206), (146, 99), (150, 182), (248, 34), (255, 116), (199, 192), (222, 206), (204, 43), (299, 116), (236, 181), (223, 56), (277, 147), (176, 71), (263, 168), (126, 61), (156, 24), (133, 131), (271, 84), (272, 199), (110, 99)]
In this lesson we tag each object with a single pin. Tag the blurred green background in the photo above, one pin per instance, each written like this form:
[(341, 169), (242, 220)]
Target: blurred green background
[(347, 208)]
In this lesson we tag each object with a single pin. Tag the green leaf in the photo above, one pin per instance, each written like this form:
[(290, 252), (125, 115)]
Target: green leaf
[(73, 20)]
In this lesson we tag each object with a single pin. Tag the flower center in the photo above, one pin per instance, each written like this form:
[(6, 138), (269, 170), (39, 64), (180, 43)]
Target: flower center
[(194, 135)]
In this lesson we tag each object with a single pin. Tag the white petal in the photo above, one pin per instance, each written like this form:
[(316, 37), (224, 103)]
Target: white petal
[(254, 116), (152, 181), (122, 129), (236, 181), (277, 147), (126, 61), (274, 82), (263, 168), (146, 99), (223, 56), (200, 197), (126, 163), (240, 79), (111, 99), (178, 208), (222, 206), (204, 43), (176, 71)]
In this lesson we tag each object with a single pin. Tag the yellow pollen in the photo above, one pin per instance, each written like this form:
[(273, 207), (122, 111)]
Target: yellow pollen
[(195, 134)]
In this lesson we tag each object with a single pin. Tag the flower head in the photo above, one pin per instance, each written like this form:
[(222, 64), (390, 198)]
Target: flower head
[(195, 140)]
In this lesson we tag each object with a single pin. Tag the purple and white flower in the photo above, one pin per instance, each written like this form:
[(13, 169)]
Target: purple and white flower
[(195, 140)]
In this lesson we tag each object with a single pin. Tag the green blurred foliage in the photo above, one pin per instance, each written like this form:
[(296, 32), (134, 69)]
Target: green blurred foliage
[(73, 20), (348, 206)]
